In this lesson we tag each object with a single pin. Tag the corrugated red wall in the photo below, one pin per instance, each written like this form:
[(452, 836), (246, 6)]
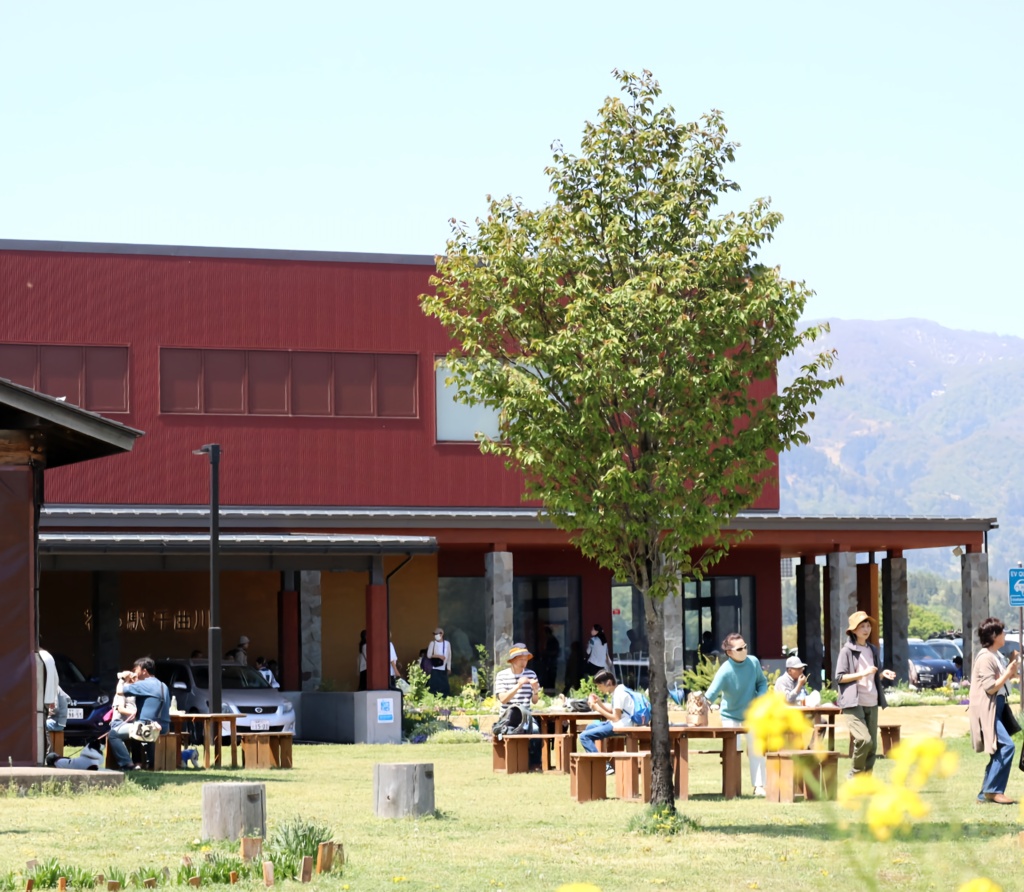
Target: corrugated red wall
[(153, 301)]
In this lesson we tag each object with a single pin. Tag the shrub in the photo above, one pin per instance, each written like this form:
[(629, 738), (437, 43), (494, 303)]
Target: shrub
[(661, 821)]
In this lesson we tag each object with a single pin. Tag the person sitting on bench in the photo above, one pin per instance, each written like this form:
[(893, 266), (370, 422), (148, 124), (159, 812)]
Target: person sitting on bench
[(519, 686), (618, 715), (154, 705)]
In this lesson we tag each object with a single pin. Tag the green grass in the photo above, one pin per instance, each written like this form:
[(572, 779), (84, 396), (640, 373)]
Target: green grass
[(522, 832)]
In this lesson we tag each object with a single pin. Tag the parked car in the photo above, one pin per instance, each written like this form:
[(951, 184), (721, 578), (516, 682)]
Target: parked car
[(927, 668), (946, 648), (89, 704), (243, 690)]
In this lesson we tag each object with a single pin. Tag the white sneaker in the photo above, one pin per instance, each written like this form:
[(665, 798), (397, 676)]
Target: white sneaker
[(609, 769), (759, 791)]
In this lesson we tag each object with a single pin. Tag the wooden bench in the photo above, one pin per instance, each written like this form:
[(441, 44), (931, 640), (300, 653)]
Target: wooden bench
[(510, 753), (266, 749), (890, 735), (588, 781), (166, 750), (56, 742), (803, 774)]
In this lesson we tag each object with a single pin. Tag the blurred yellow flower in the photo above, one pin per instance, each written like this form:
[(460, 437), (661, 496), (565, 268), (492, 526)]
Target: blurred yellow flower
[(775, 725), (980, 884), (887, 807), (919, 759)]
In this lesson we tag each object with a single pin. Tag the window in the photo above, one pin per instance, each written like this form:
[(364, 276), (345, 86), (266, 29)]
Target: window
[(457, 422), (95, 378), (288, 382)]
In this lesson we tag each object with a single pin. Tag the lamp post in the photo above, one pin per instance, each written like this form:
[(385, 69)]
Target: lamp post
[(214, 644)]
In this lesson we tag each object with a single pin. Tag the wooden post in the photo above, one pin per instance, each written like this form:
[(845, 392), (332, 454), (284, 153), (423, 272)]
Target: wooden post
[(231, 810), (150, 883), (402, 790), (251, 848), (62, 884), (268, 873), (233, 877), (113, 885), (196, 881), (306, 873), (324, 857), (99, 879), (29, 883)]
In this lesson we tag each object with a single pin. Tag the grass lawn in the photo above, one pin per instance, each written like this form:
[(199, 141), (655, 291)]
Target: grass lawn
[(522, 832)]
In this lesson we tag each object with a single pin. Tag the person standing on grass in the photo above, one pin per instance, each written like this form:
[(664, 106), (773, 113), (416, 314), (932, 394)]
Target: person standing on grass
[(739, 681), (616, 717), (859, 695), (597, 650), (990, 695)]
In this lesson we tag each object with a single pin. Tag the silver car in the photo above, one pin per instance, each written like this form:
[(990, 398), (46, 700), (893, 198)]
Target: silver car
[(243, 690)]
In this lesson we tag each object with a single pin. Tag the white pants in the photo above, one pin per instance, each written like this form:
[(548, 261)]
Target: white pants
[(758, 764)]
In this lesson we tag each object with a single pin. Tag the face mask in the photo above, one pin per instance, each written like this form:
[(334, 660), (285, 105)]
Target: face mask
[(438, 637)]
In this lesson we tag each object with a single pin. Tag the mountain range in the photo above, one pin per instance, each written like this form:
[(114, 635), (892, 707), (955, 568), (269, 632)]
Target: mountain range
[(929, 421)]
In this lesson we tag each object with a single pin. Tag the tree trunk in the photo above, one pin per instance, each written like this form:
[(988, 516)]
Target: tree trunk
[(232, 810), (404, 789), (662, 782)]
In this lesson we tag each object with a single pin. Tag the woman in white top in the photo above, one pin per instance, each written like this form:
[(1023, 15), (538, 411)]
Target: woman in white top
[(439, 654), (597, 650)]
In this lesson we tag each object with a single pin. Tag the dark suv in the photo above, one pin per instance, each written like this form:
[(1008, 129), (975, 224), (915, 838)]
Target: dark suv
[(88, 706)]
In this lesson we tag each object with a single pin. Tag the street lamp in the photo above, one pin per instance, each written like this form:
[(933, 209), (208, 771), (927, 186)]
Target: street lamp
[(214, 643)]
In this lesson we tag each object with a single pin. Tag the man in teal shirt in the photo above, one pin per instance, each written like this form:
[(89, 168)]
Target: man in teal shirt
[(739, 681)]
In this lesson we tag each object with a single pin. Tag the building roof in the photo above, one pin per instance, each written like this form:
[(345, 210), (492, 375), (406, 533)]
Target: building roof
[(220, 253), (66, 433)]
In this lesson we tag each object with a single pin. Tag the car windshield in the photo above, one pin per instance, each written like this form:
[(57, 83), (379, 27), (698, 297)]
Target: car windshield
[(233, 677), (924, 652), (67, 671)]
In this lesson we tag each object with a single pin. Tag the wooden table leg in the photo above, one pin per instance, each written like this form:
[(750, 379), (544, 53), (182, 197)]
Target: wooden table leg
[(732, 783), (234, 744), (683, 768), (207, 741)]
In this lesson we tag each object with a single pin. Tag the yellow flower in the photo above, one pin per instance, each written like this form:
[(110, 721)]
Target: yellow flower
[(775, 725), (980, 884), (858, 788), (919, 759), (893, 808)]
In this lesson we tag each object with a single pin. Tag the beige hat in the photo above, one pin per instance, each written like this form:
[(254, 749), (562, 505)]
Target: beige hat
[(519, 650), (857, 618)]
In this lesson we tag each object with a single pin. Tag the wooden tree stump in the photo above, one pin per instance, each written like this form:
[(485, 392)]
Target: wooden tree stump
[(232, 810), (402, 790)]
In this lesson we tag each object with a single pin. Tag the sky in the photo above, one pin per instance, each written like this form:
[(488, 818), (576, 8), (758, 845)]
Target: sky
[(888, 134)]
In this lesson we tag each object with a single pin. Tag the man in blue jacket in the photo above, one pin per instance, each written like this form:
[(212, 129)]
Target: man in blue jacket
[(153, 704)]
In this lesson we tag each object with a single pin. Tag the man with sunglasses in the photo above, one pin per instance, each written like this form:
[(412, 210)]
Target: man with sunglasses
[(739, 681)]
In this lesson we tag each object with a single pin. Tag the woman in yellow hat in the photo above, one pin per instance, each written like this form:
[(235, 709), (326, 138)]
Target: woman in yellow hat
[(860, 696)]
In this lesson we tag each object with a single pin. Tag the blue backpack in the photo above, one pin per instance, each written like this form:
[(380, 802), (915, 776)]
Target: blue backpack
[(641, 708)]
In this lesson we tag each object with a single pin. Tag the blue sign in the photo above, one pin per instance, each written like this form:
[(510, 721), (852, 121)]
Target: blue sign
[(385, 711), (1017, 588)]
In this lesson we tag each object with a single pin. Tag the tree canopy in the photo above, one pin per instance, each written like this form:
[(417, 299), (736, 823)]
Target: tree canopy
[(629, 335)]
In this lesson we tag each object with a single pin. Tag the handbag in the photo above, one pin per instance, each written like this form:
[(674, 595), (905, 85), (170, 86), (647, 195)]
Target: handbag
[(1009, 721)]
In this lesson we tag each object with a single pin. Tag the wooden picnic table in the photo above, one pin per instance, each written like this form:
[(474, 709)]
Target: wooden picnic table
[(209, 720), (823, 714), (564, 722), (679, 738)]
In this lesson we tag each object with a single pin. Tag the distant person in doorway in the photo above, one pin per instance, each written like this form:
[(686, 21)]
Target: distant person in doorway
[(439, 655), (264, 670), (240, 652), (549, 661), (597, 651), (707, 646), (361, 661)]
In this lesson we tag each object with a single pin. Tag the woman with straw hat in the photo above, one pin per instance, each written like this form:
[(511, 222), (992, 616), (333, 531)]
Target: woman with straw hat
[(860, 695)]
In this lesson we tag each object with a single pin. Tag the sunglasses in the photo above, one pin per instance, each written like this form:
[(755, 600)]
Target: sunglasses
[(743, 647)]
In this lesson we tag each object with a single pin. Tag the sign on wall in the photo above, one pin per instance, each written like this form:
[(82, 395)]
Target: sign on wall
[(1017, 588)]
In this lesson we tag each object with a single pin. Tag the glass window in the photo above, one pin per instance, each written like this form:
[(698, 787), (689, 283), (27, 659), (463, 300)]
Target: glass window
[(268, 382), (224, 382), (713, 608), (18, 363), (60, 373), (353, 383), (396, 385), (462, 610), (312, 376), (546, 618), (106, 379), (180, 380), (457, 422)]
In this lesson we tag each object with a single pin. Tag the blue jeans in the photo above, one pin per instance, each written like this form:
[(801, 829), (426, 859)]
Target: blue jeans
[(997, 774), (594, 732), (116, 741)]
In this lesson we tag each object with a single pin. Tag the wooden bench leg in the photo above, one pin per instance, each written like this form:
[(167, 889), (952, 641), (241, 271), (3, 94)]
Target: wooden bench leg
[(587, 780), (56, 742)]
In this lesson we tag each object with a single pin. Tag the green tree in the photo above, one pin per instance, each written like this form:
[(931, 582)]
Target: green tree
[(925, 623), (629, 338)]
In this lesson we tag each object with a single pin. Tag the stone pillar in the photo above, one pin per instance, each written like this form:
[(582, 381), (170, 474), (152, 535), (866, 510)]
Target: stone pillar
[(378, 629), (867, 593), (895, 616), (842, 598), (974, 601), (289, 661), (106, 638), (310, 633), (673, 618), (498, 583), (809, 642)]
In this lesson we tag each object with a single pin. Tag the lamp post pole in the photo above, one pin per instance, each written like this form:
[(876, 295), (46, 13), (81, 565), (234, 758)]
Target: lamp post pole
[(214, 643)]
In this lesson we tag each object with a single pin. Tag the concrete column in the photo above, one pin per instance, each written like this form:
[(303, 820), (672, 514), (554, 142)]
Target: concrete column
[(310, 632), (289, 663), (106, 638), (673, 618), (378, 629), (974, 601), (895, 616), (809, 642), (498, 583), (842, 598)]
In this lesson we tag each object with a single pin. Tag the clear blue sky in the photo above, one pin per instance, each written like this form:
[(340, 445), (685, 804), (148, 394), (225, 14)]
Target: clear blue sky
[(888, 134)]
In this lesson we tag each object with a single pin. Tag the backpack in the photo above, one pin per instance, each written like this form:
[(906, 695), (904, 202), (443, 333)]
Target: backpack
[(641, 708), (514, 720)]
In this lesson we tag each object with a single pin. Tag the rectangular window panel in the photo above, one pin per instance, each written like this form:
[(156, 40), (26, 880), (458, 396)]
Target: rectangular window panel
[(180, 380), (353, 383), (311, 383), (457, 422), (18, 363), (60, 373), (268, 382), (223, 382), (106, 379), (396, 385)]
